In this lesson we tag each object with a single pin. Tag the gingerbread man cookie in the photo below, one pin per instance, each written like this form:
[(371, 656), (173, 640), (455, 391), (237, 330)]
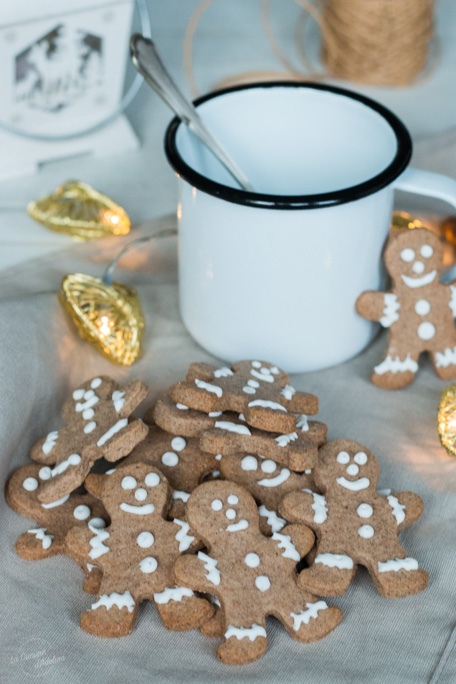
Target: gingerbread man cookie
[(418, 310), (297, 450), (136, 554), (55, 519), (355, 524), (258, 390), (96, 424), (250, 575)]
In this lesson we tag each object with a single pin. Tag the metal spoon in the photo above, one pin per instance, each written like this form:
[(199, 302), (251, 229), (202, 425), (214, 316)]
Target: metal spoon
[(147, 61)]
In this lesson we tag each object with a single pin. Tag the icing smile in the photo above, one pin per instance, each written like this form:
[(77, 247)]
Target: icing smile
[(356, 485), (419, 282), (137, 510), (277, 480)]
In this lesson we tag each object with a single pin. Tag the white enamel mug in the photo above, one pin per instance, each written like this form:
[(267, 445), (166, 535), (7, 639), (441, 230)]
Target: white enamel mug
[(275, 274)]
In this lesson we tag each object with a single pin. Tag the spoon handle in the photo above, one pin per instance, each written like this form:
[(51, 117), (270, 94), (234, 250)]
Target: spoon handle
[(147, 61)]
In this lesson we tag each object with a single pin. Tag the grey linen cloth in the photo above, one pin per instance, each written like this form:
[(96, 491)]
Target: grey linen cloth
[(379, 640)]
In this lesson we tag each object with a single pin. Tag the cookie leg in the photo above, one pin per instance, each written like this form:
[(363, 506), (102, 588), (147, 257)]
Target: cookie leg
[(244, 643), (214, 626), (444, 361), (397, 369), (113, 614), (310, 620), (330, 574), (395, 575), (180, 610)]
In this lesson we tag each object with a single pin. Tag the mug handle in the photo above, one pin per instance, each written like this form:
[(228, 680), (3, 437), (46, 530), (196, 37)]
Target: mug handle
[(427, 183)]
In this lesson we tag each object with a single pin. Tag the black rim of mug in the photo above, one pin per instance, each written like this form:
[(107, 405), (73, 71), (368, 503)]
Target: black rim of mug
[(316, 201)]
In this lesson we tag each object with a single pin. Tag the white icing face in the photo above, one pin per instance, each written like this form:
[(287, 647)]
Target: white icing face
[(226, 515), (419, 263), (138, 491), (354, 467)]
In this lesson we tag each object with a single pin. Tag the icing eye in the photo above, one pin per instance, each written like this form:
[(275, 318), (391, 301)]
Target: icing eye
[(249, 463), (129, 482), (78, 394), (178, 444), (140, 494), (45, 473), (152, 479), (426, 251), (216, 505), (360, 458), (352, 469), (170, 459), (230, 514), (232, 499), (99, 523), (96, 382), (268, 466), (407, 254), (81, 512), (256, 364), (343, 457), (30, 484)]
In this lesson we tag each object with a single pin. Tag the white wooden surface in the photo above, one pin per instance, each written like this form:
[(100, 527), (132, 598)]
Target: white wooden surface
[(229, 40)]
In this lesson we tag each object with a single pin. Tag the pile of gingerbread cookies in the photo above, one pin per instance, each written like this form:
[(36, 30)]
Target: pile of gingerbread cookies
[(209, 506)]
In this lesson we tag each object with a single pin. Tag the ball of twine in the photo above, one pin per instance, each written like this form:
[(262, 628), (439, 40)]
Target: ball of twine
[(379, 42)]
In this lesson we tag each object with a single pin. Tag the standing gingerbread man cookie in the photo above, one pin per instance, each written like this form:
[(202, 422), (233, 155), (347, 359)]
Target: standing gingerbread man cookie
[(418, 310), (251, 576), (355, 524)]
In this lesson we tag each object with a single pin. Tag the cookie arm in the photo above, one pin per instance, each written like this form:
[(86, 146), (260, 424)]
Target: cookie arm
[(135, 392), (301, 536), (412, 511), (189, 571), (371, 305), (202, 371), (37, 454), (124, 441), (296, 507), (78, 544)]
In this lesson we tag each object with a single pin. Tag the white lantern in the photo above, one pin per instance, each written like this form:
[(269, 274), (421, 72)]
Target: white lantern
[(62, 71)]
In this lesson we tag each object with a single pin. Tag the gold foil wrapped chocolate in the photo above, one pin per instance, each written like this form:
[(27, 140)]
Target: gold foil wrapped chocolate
[(107, 316), (446, 419), (78, 210), (401, 220)]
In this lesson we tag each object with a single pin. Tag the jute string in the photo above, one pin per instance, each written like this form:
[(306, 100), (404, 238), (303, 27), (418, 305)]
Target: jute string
[(377, 42), (381, 42)]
